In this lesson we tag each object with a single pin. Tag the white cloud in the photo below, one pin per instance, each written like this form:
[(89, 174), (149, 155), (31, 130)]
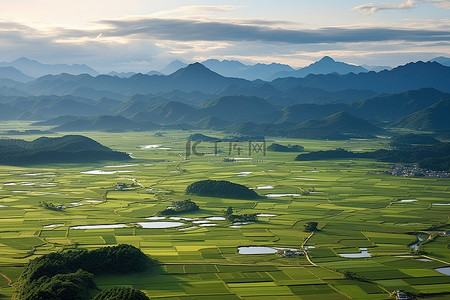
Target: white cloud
[(146, 43), (369, 9), (196, 10), (440, 3)]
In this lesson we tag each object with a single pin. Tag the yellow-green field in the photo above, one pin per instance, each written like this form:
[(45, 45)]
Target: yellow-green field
[(354, 201)]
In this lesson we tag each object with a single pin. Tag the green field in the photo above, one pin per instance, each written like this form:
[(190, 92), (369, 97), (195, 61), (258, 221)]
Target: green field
[(354, 201)]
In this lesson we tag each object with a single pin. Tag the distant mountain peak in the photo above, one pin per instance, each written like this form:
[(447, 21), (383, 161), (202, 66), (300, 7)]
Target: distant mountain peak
[(445, 61), (326, 65), (196, 65), (24, 59), (35, 68), (327, 59), (172, 67), (196, 70)]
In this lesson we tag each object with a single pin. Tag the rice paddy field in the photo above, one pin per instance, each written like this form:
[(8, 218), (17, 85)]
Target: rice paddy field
[(358, 207)]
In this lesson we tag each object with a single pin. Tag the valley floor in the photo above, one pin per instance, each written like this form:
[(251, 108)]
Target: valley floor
[(355, 202)]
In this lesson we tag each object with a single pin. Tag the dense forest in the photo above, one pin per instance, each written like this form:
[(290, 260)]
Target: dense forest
[(68, 274), (233, 217), (179, 207), (121, 293), (69, 148), (413, 139), (289, 148), (434, 157), (221, 188)]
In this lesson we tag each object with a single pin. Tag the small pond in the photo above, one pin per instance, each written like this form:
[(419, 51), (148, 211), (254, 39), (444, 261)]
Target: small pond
[(155, 218), (201, 222), (282, 195), (415, 246), (256, 250), (266, 187), (423, 259), (407, 200), (444, 270), (104, 226), (162, 224), (216, 218), (52, 225), (363, 254), (244, 173), (100, 172)]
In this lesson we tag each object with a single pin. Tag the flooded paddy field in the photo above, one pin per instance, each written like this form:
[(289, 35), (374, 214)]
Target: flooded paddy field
[(356, 204)]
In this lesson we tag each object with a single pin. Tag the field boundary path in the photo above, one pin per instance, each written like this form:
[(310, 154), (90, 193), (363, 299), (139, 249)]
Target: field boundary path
[(306, 252), (10, 282), (231, 264), (436, 259)]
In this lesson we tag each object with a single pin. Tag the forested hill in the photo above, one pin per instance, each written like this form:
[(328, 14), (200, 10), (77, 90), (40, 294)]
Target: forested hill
[(69, 148)]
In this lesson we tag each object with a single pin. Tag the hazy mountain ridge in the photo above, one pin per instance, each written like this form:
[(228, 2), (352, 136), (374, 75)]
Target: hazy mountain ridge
[(325, 66), (218, 112), (432, 118), (34, 68), (445, 61), (200, 98), (100, 123), (70, 148), (199, 79), (270, 71), (407, 77), (233, 68), (12, 73)]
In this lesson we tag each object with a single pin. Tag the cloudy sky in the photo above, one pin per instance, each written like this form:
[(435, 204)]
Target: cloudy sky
[(143, 35)]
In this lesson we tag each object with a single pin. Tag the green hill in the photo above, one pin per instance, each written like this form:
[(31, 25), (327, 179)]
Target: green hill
[(393, 106), (211, 122), (289, 148), (413, 139), (235, 108), (198, 137), (221, 188), (69, 148), (342, 122), (55, 121), (101, 123), (433, 118)]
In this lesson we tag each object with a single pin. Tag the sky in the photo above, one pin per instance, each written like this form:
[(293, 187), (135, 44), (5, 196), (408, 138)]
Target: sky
[(144, 35)]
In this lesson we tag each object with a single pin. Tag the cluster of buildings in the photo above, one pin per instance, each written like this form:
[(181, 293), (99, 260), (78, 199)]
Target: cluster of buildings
[(290, 252), (415, 171)]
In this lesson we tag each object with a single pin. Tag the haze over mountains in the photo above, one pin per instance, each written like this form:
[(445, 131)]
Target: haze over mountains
[(233, 68), (36, 69), (228, 68), (340, 101)]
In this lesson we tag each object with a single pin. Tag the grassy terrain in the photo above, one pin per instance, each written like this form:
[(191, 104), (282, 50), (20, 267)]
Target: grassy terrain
[(355, 203)]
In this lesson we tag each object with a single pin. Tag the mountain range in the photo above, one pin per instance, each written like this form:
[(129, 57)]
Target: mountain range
[(326, 65), (227, 68), (445, 61), (12, 73), (250, 115), (197, 78), (338, 106), (432, 118), (234, 68), (36, 69)]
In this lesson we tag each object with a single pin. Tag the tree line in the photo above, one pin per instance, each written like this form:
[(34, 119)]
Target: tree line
[(69, 274)]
